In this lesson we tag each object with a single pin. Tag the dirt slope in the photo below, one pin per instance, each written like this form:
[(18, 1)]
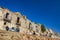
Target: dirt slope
[(7, 35)]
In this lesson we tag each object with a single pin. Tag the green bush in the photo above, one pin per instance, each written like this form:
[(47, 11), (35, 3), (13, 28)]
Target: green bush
[(43, 29)]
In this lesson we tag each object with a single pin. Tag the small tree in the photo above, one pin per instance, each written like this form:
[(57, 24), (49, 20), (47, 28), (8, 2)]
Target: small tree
[(43, 29)]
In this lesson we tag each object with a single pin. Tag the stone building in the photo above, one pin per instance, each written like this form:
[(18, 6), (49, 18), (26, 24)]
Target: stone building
[(14, 21)]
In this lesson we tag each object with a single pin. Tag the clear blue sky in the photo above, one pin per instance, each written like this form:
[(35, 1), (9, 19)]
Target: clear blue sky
[(46, 12)]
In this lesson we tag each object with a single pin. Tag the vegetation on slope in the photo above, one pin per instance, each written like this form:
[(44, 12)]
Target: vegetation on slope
[(43, 29)]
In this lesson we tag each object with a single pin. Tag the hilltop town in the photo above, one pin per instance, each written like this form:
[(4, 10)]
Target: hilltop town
[(17, 23)]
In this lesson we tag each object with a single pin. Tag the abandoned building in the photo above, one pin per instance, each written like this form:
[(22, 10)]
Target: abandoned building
[(14, 21)]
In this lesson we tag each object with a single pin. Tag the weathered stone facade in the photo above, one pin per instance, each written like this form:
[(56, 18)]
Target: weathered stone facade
[(14, 21)]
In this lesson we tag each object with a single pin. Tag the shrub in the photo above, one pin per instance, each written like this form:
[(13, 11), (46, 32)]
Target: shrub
[(43, 29)]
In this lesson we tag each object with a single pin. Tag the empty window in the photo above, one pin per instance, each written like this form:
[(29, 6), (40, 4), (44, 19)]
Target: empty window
[(29, 25), (17, 29), (7, 28), (7, 15), (37, 30), (12, 29), (18, 19)]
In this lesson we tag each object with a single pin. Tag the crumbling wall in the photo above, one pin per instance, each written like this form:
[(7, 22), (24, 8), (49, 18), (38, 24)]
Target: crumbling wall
[(24, 25)]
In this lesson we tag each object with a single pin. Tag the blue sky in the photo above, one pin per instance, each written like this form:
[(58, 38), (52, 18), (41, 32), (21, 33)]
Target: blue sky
[(46, 12)]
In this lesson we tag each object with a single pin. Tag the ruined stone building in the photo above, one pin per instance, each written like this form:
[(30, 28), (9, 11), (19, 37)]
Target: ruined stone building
[(14, 21)]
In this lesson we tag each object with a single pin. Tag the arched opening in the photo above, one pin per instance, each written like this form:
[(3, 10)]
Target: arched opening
[(7, 15), (7, 28), (29, 25), (12, 29), (18, 19), (18, 23), (17, 29), (37, 30)]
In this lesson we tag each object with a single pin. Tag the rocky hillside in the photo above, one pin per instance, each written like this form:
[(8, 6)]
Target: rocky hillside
[(8, 35)]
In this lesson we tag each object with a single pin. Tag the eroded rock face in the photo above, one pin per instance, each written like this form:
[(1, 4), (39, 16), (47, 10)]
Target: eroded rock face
[(7, 35)]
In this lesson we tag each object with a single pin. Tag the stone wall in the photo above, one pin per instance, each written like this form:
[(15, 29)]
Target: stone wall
[(15, 20), (24, 24)]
